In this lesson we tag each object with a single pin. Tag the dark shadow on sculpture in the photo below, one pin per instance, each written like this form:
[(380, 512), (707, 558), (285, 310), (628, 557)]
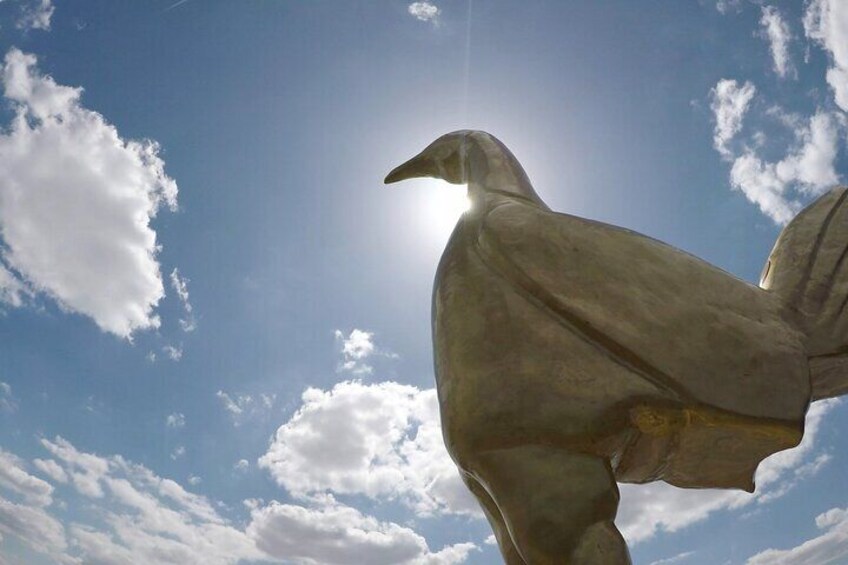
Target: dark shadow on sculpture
[(572, 354)]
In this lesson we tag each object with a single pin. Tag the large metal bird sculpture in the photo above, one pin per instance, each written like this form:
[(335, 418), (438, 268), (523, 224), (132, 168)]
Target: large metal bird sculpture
[(571, 354)]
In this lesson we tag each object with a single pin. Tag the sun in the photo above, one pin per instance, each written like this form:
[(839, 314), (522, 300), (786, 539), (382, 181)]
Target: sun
[(443, 204)]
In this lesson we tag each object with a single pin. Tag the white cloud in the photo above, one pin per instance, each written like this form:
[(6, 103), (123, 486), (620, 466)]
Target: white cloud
[(36, 14), (243, 407), (647, 509), (194, 480), (175, 420), (809, 168), (424, 11), (14, 478), (12, 290), (729, 104), (381, 440), (776, 31), (178, 452), (357, 347), (180, 286), (829, 547), (52, 469), (725, 6), (35, 528), (332, 533), (174, 353), (8, 402), (139, 517), (76, 203), (241, 465), (826, 22), (680, 557), (84, 469)]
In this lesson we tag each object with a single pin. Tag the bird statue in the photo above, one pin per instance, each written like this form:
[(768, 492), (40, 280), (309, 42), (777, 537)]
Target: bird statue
[(571, 355)]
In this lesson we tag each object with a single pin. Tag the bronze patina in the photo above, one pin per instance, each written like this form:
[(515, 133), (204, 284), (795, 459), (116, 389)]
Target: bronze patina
[(571, 354)]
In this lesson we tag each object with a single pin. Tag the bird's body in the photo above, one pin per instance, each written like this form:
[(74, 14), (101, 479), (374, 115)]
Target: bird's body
[(570, 354), (555, 330)]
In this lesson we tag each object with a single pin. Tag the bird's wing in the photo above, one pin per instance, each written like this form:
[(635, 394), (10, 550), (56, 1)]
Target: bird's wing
[(705, 335)]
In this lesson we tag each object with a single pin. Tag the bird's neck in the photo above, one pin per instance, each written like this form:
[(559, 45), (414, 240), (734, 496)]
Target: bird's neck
[(494, 171)]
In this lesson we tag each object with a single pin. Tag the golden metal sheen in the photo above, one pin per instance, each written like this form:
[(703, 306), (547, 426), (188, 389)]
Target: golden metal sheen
[(571, 354)]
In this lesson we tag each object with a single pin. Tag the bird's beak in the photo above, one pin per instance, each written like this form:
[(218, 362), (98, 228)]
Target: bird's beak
[(418, 166)]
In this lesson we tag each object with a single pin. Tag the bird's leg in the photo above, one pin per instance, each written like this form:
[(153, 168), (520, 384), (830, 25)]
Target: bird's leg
[(493, 514), (558, 506)]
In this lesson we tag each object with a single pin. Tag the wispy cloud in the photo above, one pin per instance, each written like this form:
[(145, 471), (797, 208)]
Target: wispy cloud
[(727, 6), (8, 402), (831, 546), (180, 286), (174, 353), (776, 30), (36, 14), (679, 558), (729, 104), (175, 420)]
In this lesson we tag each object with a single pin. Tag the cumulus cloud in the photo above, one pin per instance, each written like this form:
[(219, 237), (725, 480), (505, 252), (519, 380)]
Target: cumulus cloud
[(139, 517), (35, 528), (729, 104), (36, 14), (175, 420), (826, 23), (180, 286), (357, 347), (776, 30), (648, 509), (424, 11), (809, 167), (776, 187), (331, 533), (381, 440), (14, 478), (52, 469), (76, 203)]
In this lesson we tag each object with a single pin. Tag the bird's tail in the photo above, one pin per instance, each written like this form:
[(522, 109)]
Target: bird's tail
[(808, 269)]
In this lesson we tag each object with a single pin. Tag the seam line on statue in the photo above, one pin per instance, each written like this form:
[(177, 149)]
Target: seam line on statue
[(614, 350), (802, 288)]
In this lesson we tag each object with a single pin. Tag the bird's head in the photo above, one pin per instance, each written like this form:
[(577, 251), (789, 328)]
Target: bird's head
[(443, 159), (470, 157)]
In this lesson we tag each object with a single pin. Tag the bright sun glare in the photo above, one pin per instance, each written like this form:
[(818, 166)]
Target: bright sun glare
[(443, 204)]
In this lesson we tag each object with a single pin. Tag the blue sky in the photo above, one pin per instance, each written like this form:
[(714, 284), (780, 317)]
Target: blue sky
[(216, 318)]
